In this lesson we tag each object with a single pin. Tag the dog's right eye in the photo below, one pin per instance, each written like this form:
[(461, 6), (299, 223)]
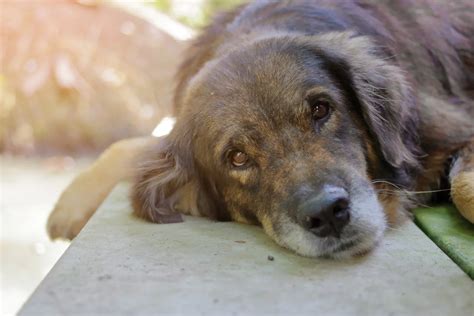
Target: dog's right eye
[(238, 158)]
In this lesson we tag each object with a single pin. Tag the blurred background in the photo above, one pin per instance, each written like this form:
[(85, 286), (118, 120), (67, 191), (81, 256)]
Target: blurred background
[(75, 76)]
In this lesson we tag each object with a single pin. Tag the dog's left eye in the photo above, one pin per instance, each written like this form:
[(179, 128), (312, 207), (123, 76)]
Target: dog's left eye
[(320, 109)]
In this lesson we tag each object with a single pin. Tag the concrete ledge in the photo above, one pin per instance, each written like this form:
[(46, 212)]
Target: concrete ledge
[(122, 265)]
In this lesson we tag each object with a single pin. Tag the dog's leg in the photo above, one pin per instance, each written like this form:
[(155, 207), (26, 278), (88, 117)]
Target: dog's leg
[(87, 191), (462, 182)]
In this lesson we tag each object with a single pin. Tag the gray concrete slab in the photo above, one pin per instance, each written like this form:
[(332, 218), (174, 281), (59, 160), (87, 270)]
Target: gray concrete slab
[(122, 265)]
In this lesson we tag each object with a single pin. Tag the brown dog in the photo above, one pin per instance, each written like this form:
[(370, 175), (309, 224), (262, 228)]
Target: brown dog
[(322, 121)]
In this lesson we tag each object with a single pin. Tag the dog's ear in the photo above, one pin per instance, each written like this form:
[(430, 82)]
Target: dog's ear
[(166, 186), (383, 95)]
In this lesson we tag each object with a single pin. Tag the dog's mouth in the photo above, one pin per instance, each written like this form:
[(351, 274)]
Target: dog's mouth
[(351, 243), (358, 236), (355, 246), (345, 245), (352, 247)]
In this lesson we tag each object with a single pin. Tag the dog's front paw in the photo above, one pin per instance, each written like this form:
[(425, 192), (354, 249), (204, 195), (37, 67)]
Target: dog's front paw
[(462, 192), (77, 204), (66, 221)]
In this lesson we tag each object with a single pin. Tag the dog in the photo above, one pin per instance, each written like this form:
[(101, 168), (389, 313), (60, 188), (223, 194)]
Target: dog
[(323, 121)]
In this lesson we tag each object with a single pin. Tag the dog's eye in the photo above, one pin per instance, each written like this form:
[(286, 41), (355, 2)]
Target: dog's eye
[(320, 109), (238, 158)]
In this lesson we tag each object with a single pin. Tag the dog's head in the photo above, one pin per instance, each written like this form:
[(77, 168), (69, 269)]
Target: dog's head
[(288, 132)]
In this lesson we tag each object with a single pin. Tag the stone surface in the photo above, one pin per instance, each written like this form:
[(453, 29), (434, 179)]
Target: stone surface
[(122, 265)]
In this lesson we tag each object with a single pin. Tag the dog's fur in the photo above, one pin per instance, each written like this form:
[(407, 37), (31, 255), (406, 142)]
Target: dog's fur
[(399, 78)]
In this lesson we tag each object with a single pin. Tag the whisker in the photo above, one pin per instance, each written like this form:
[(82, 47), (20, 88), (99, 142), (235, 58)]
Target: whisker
[(404, 190), (412, 192), (424, 205), (387, 182), (389, 228), (429, 191)]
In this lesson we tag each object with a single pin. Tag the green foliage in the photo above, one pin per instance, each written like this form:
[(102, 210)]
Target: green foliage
[(163, 5), (206, 12)]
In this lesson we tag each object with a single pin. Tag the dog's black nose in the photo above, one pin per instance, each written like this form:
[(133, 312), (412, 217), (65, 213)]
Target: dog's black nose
[(327, 213)]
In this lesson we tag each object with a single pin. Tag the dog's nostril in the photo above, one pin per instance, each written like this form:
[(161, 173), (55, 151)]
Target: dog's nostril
[(340, 209), (316, 223), (328, 213)]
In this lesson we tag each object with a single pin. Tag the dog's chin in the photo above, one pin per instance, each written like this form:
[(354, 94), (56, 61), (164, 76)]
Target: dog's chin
[(354, 247), (359, 237), (305, 243)]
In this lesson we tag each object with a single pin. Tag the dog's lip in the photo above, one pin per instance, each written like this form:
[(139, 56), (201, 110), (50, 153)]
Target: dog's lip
[(345, 245)]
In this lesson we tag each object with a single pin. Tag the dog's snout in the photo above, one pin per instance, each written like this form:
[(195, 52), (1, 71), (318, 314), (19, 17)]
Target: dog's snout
[(327, 213)]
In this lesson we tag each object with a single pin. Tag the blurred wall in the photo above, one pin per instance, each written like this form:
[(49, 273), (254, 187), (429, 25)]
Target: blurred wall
[(75, 78)]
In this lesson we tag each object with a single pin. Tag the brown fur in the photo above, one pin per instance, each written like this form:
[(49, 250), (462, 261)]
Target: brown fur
[(462, 181), (407, 130)]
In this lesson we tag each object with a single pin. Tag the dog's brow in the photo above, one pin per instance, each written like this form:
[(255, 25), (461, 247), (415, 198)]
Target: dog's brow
[(245, 139)]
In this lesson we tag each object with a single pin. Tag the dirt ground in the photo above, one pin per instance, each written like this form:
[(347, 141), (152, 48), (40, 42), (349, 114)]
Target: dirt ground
[(28, 190)]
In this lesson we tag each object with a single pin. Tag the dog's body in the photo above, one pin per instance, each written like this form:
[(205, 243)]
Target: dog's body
[(319, 120)]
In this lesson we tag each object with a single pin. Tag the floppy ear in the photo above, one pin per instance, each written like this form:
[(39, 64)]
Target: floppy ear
[(383, 95), (165, 186)]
